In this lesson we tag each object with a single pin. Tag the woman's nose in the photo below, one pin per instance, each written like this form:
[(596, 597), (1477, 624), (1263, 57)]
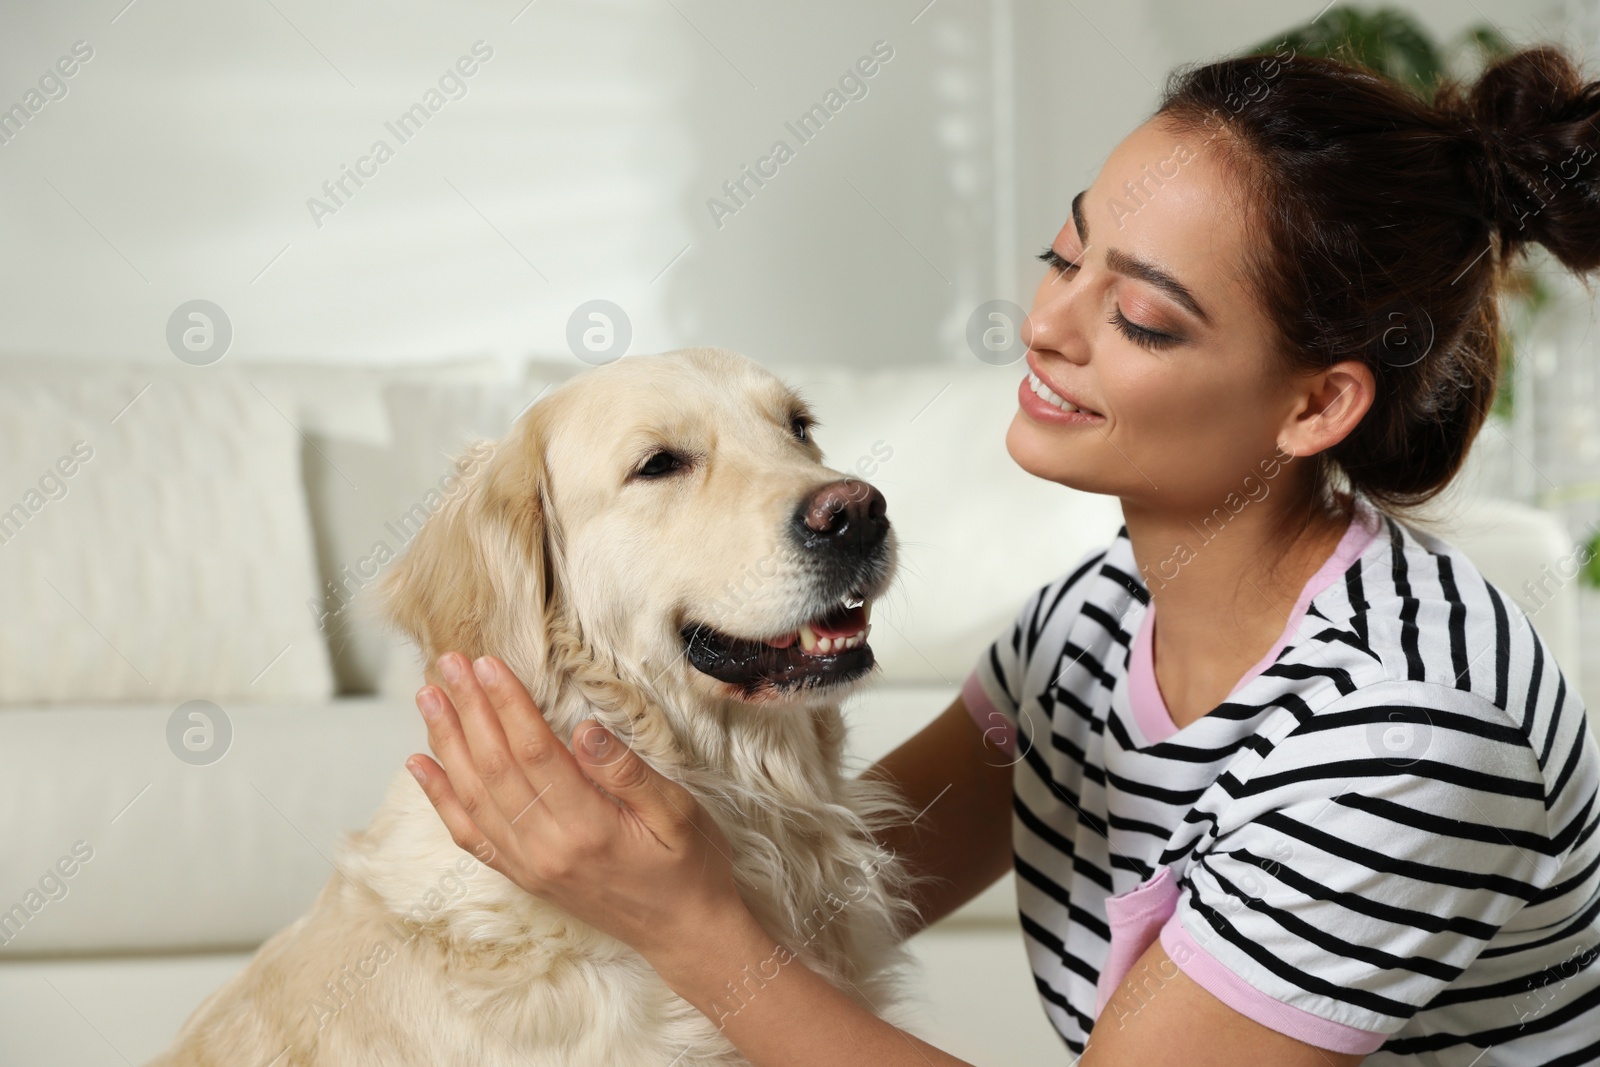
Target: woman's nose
[(1054, 324), (1029, 335)]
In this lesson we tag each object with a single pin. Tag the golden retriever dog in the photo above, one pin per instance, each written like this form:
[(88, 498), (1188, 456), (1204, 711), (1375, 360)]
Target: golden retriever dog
[(656, 544)]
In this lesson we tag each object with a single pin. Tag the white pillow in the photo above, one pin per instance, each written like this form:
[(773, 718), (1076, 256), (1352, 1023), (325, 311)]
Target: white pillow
[(154, 544)]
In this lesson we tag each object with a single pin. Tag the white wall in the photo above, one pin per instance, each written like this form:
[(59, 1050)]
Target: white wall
[(577, 166)]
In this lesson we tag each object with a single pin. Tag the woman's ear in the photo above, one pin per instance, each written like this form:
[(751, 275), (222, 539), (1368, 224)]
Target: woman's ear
[(1333, 403), (476, 575)]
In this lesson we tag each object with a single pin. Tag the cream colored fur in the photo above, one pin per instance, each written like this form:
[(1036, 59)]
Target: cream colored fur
[(415, 953)]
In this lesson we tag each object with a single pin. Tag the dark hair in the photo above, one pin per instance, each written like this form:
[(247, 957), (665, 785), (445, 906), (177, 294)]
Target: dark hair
[(1388, 223)]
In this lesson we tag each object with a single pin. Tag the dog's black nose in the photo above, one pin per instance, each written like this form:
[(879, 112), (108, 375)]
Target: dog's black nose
[(849, 515)]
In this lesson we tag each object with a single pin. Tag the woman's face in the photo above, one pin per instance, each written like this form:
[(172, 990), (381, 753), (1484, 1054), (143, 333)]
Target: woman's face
[(1145, 319)]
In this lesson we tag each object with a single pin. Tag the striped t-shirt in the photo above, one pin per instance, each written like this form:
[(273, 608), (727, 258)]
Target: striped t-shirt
[(1383, 841)]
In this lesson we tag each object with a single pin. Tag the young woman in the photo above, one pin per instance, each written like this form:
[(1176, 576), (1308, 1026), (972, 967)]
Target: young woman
[(1334, 801)]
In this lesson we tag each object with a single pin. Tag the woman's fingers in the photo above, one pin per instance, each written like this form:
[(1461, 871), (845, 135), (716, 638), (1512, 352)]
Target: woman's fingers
[(623, 848), (511, 790), (450, 745), (436, 786), (546, 763), (502, 777), (522, 764)]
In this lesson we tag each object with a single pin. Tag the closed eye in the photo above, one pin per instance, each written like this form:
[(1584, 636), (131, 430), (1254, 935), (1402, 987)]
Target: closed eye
[(1057, 260), (1141, 335)]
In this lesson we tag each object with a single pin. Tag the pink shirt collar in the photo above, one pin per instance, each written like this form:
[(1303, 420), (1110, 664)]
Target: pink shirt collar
[(1144, 695)]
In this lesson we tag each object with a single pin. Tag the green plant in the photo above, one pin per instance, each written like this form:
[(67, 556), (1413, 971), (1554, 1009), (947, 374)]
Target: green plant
[(1390, 41)]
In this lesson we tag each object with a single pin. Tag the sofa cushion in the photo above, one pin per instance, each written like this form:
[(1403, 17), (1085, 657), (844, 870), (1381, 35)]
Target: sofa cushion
[(156, 543), (163, 854), (353, 480)]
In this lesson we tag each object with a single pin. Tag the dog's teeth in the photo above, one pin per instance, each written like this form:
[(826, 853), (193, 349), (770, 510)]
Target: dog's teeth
[(866, 614), (808, 639)]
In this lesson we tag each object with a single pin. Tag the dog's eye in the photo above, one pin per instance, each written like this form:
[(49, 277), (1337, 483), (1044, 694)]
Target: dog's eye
[(801, 428), (659, 465)]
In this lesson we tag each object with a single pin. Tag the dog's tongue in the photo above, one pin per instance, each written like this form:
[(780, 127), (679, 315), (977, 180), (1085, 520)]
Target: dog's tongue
[(841, 623)]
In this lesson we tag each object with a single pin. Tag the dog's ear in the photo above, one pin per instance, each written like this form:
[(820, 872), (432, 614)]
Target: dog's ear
[(476, 578)]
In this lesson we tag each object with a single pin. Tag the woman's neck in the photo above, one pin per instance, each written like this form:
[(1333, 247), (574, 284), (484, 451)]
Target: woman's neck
[(1225, 583)]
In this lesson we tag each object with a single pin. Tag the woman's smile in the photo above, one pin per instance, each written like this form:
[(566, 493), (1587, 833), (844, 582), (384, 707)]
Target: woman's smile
[(1043, 404)]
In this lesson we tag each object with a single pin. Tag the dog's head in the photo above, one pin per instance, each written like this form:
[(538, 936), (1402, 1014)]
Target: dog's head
[(668, 518)]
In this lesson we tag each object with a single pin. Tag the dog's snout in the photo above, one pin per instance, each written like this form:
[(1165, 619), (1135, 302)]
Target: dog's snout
[(850, 514)]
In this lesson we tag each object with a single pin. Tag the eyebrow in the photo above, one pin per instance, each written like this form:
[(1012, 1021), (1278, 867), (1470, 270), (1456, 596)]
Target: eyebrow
[(1123, 263)]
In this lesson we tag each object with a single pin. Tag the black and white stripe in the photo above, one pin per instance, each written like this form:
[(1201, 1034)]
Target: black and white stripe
[(1445, 891)]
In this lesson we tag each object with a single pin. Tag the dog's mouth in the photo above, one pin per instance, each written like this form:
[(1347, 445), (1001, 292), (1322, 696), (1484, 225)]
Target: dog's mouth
[(828, 650)]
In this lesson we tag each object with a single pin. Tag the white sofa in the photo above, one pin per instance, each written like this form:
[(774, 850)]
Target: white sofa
[(237, 504)]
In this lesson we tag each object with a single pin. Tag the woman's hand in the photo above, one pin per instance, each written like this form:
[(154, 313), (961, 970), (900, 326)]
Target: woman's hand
[(645, 864), (648, 867)]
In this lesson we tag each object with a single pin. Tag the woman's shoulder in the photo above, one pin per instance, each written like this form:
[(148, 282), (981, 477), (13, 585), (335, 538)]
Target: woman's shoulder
[(1419, 659), (1415, 609)]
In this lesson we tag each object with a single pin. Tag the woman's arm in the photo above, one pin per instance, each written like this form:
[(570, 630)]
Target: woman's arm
[(1161, 1015), (780, 1013), (960, 784)]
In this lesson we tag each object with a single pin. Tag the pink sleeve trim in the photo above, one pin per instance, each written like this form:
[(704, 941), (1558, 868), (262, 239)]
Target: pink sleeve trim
[(1252, 1003), (996, 727)]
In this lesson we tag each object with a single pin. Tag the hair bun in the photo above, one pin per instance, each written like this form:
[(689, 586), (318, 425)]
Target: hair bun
[(1534, 116)]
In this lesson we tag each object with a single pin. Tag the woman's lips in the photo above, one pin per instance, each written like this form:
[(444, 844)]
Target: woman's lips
[(1043, 409), (1052, 391)]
